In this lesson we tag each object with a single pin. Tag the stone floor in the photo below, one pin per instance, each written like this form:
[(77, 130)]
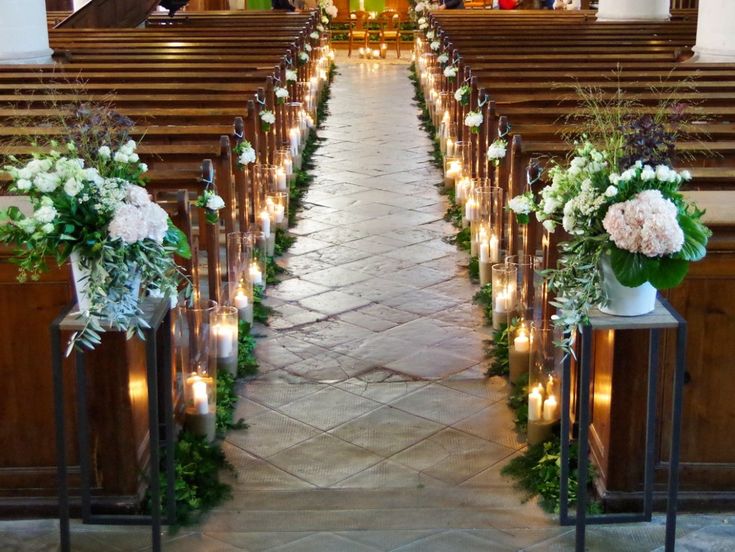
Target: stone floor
[(372, 427)]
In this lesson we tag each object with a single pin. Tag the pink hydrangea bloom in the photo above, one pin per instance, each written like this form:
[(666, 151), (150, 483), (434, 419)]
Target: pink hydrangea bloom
[(646, 224)]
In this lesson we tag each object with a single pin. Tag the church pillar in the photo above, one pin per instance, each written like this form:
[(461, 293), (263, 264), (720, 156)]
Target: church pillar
[(633, 10), (23, 32), (715, 32)]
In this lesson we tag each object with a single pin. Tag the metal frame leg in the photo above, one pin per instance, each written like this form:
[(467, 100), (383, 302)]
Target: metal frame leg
[(583, 441), (677, 406), (652, 392), (168, 419), (83, 428), (154, 439), (57, 371), (566, 385)]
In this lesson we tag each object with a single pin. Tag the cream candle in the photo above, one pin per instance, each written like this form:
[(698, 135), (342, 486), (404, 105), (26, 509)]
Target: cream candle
[(501, 301), (534, 405), (494, 251), (224, 338), (450, 147), (281, 184), (550, 409), (521, 343), (256, 275), (241, 300), (484, 252), (469, 209), (265, 223), (199, 396), (278, 213)]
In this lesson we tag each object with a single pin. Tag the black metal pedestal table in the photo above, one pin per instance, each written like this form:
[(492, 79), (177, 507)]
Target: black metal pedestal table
[(663, 316), (156, 313)]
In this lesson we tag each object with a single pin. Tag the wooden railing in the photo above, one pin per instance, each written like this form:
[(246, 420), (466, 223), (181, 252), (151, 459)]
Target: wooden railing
[(110, 14)]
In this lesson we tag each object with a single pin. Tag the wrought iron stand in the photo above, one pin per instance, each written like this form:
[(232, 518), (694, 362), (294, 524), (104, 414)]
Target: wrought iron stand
[(158, 317), (663, 317)]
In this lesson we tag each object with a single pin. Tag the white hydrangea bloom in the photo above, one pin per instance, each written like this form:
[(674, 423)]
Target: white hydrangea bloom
[(473, 119), (450, 72), (72, 187), (521, 204), (314, 35), (104, 152), (215, 202), (23, 184), (267, 117), (281, 92), (496, 150), (648, 174), (45, 213), (46, 182), (247, 156), (291, 75)]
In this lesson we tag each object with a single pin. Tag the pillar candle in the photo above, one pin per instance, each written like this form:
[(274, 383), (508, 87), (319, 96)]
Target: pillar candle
[(550, 409), (265, 223), (199, 393), (224, 335), (494, 251), (281, 179), (241, 300), (534, 405), (278, 213), (484, 252), (256, 275)]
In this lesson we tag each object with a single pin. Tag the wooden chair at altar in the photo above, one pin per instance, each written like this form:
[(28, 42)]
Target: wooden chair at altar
[(359, 29), (390, 28)]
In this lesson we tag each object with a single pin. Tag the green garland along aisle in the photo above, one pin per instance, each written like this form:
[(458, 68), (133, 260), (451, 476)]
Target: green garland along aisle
[(537, 470), (198, 462)]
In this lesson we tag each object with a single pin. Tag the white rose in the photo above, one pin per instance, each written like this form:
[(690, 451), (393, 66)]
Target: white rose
[(421, 20), (550, 225), (215, 202), (521, 204), (307, 47), (614, 178), (47, 182), (104, 152), (473, 119), (23, 184), (47, 228), (133, 158), (45, 213), (281, 92), (648, 173), (314, 35), (291, 76), (430, 35), (496, 151), (459, 93), (247, 156), (143, 167), (267, 117), (325, 19), (320, 28), (423, 26), (121, 157), (443, 58), (72, 187), (686, 175), (131, 146), (450, 72), (303, 56), (611, 191)]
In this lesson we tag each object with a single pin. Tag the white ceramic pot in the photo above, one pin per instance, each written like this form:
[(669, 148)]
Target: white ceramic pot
[(624, 300), (81, 278)]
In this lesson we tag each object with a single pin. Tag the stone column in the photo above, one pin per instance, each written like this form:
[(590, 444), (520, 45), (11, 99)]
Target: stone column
[(633, 10), (23, 32), (715, 32)]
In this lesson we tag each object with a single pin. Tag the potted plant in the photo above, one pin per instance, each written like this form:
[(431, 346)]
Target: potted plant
[(91, 207)]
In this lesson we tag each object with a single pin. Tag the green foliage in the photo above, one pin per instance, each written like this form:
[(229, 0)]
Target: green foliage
[(261, 312), (247, 364), (226, 404), (197, 485), (518, 403), (499, 355), (284, 241), (538, 471), (474, 268), (484, 298)]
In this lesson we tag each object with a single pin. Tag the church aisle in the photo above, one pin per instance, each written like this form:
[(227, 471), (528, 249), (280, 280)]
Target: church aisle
[(371, 425)]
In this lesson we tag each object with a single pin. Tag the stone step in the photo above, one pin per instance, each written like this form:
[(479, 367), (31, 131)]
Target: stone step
[(392, 498)]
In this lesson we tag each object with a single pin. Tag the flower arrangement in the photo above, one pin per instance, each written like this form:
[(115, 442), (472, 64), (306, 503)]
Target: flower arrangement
[(211, 203), (281, 94), (291, 75), (320, 28), (435, 45), (430, 35), (267, 119), (328, 10), (462, 94), (420, 7), (314, 35), (450, 72), (473, 120), (307, 47), (245, 154), (443, 58), (496, 151), (635, 219), (423, 25), (91, 206), (303, 57)]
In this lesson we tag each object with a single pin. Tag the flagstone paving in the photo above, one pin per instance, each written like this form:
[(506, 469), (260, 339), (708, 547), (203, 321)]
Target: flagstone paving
[(371, 425)]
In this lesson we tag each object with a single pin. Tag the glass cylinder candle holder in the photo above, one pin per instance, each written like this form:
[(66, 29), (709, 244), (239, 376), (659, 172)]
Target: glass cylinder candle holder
[(284, 161), (463, 187), (450, 139), (544, 385), (277, 205), (265, 181), (488, 224), (199, 371), (239, 287), (453, 170), (504, 292), (530, 281), (224, 338), (267, 229), (259, 261), (519, 351)]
